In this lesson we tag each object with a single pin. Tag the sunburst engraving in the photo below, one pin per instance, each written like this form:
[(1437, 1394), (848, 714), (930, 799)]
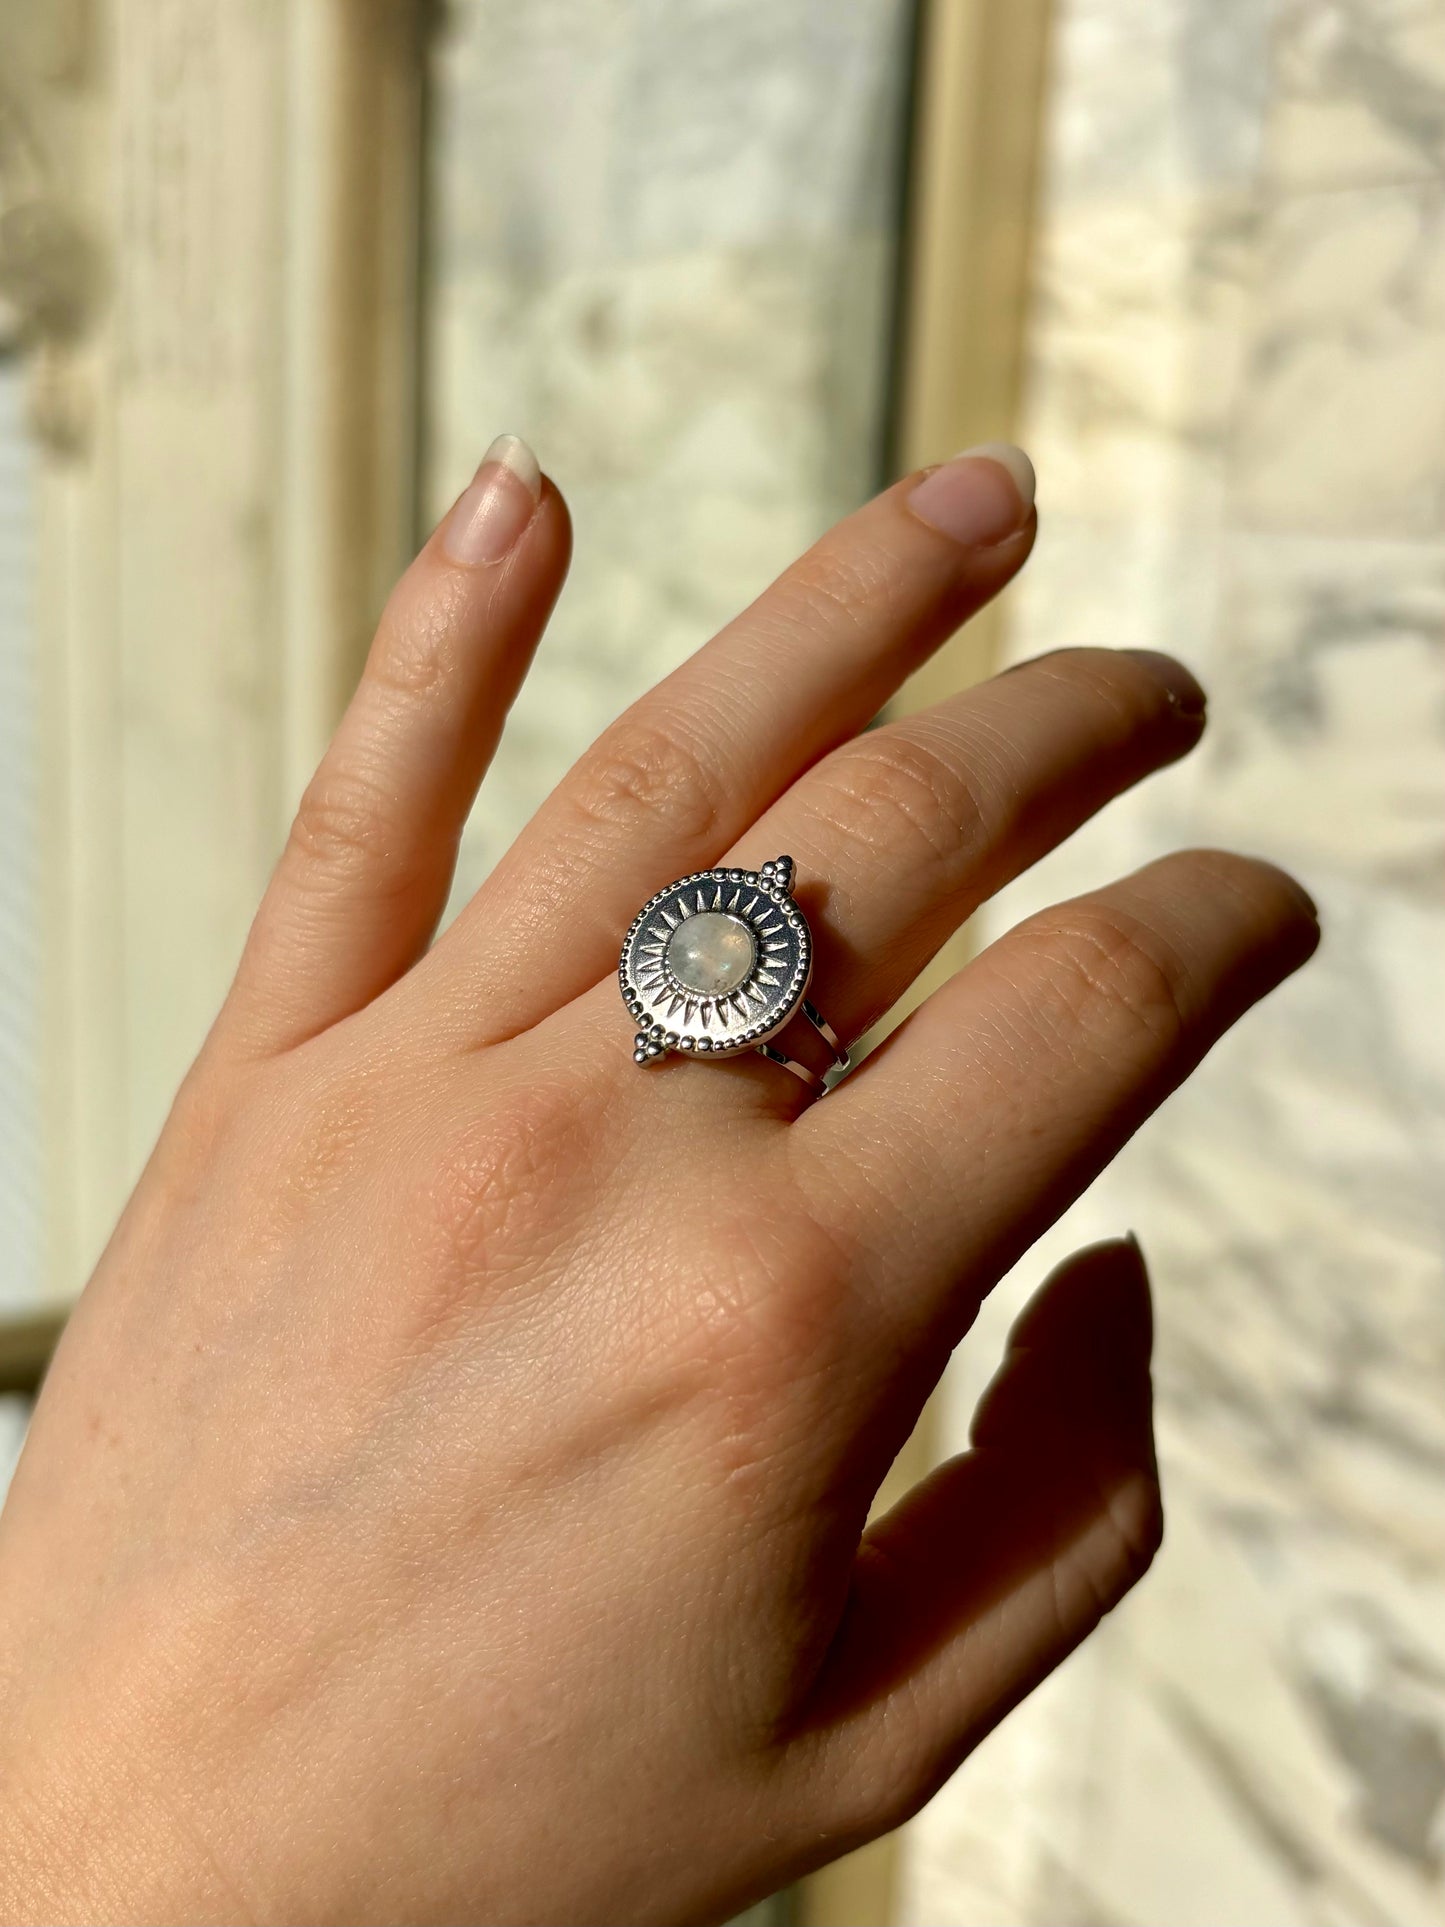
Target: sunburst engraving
[(714, 964)]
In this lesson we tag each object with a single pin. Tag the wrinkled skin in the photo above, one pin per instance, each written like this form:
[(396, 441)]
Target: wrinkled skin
[(450, 1498)]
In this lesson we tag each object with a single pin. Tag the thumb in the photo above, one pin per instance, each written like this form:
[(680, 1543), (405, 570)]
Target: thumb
[(989, 1573)]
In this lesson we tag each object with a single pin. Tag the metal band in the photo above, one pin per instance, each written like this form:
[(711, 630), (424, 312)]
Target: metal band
[(811, 1078), (829, 1036)]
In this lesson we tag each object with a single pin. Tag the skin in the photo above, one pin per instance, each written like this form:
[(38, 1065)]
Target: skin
[(450, 1498)]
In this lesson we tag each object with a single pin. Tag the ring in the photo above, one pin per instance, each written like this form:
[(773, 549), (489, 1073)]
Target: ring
[(720, 962)]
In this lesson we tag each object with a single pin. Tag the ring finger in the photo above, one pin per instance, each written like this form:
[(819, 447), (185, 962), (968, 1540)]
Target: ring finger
[(908, 829), (900, 834)]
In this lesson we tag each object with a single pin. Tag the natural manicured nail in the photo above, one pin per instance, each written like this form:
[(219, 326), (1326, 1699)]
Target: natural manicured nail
[(1186, 698), (497, 506), (980, 498)]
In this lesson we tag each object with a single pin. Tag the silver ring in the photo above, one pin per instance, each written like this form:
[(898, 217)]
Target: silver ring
[(719, 963)]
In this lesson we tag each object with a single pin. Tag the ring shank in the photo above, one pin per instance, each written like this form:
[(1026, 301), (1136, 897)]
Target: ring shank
[(841, 1055)]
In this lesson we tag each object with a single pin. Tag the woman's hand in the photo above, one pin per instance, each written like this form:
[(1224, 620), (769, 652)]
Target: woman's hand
[(448, 1501)]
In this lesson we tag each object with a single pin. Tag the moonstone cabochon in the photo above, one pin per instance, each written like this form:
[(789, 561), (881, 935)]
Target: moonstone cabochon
[(711, 952), (661, 970)]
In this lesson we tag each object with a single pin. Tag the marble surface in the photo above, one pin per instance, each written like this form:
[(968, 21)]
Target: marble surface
[(1344, 430), (663, 239), (1236, 403), (1358, 93)]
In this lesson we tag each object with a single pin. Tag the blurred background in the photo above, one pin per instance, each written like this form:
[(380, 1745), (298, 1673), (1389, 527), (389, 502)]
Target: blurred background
[(274, 272)]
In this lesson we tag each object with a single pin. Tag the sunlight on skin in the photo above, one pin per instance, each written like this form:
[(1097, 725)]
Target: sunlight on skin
[(449, 1498)]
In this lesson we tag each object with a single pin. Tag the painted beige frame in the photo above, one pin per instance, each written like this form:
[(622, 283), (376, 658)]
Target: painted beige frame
[(221, 320), (979, 86)]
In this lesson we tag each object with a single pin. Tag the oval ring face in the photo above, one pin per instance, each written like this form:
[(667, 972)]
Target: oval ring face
[(716, 963)]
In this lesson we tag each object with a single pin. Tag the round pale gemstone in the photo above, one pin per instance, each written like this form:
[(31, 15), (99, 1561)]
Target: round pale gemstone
[(710, 953)]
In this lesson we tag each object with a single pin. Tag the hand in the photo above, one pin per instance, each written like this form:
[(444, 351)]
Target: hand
[(449, 1499)]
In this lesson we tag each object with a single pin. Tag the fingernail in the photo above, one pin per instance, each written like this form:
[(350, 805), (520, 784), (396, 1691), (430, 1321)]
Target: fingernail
[(1186, 698), (980, 498), (1306, 900), (497, 505)]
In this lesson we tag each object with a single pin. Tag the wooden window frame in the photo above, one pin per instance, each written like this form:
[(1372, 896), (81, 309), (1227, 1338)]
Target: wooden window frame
[(979, 83)]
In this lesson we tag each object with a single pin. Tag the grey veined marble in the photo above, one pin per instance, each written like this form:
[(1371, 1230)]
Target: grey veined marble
[(1237, 407)]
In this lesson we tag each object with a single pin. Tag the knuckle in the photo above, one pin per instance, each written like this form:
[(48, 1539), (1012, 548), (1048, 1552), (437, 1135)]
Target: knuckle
[(498, 1197), (641, 770), (1091, 1580), (322, 1157), (420, 637), (887, 1783), (345, 822), (1138, 1524), (833, 584), (1123, 692), (410, 664), (490, 1185), (898, 798), (764, 1296), (1108, 965), (757, 1325)]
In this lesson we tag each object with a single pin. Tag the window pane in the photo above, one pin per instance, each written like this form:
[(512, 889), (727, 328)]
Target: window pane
[(663, 244)]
